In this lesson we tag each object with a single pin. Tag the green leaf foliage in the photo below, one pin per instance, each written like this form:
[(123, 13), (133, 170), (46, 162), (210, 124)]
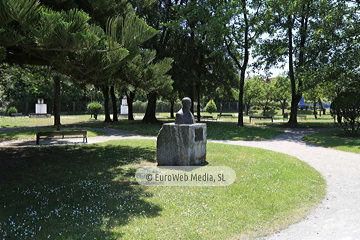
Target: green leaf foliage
[(128, 31), (26, 12), (94, 106), (12, 110), (66, 30), (347, 106), (210, 106), (2, 53)]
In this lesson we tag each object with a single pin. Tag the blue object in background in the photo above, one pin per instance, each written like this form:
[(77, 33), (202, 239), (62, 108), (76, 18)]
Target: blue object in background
[(303, 104)]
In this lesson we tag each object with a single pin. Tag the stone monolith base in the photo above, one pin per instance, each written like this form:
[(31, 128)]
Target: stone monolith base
[(181, 144), (40, 108)]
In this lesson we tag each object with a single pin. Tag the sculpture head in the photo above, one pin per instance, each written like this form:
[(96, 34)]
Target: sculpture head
[(186, 102), (184, 115)]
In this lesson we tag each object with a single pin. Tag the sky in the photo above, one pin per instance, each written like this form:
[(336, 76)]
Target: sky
[(274, 72)]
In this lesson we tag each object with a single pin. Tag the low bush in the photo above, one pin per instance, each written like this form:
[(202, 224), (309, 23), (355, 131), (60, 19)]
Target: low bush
[(346, 107), (94, 108), (210, 107), (12, 110)]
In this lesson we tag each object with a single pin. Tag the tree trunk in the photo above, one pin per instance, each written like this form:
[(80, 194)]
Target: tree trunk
[(172, 104), (240, 122), (105, 91), (295, 98), (264, 109), (198, 115), (282, 103), (322, 107), (113, 100), (339, 119), (315, 112), (192, 97), (151, 109), (247, 108), (198, 101), (130, 99), (57, 102)]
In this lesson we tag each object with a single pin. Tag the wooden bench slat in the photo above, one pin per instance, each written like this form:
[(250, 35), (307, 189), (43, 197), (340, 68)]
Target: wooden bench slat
[(301, 116), (224, 115), (61, 133), (15, 114), (34, 115), (271, 117), (206, 117)]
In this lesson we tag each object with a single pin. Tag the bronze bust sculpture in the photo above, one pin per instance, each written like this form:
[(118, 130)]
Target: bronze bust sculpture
[(184, 115)]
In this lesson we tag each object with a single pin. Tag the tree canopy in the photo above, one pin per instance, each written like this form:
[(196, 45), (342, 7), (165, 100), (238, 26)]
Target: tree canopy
[(196, 46)]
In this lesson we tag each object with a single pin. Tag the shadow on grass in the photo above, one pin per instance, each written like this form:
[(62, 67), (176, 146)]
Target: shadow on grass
[(229, 131), (72, 192), (30, 132), (136, 126), (331, 139)]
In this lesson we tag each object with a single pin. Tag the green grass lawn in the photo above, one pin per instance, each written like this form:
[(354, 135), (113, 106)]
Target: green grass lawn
[(331, 139), (90, 192), (6, 122), (301, 124), (215, 130), (229, 131), (30, 133), (323, 121)]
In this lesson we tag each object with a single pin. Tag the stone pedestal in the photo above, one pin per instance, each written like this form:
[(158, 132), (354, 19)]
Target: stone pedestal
[(124, 109), (181, 144), (40, 110), (40, 107)]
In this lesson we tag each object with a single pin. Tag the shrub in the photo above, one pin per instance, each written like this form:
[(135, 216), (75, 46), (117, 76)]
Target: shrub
[(210, 107), (12, 110), (346, 106), (139, 107), (94, 108)]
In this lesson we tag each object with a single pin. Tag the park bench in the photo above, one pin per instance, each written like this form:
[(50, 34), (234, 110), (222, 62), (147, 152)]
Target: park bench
[(2, 114), (207, 117), (39, 115), (224, 115), (263, 117), (82, 133), (302, 116), (15, 114)]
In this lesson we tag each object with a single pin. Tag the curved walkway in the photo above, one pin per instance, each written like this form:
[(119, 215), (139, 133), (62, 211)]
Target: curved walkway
[(337, 217)]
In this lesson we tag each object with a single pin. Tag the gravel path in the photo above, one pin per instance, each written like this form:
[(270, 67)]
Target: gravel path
[(337, 217)]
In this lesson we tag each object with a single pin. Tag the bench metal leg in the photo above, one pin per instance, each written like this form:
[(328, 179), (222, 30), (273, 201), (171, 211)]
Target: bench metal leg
[(85, 138)]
